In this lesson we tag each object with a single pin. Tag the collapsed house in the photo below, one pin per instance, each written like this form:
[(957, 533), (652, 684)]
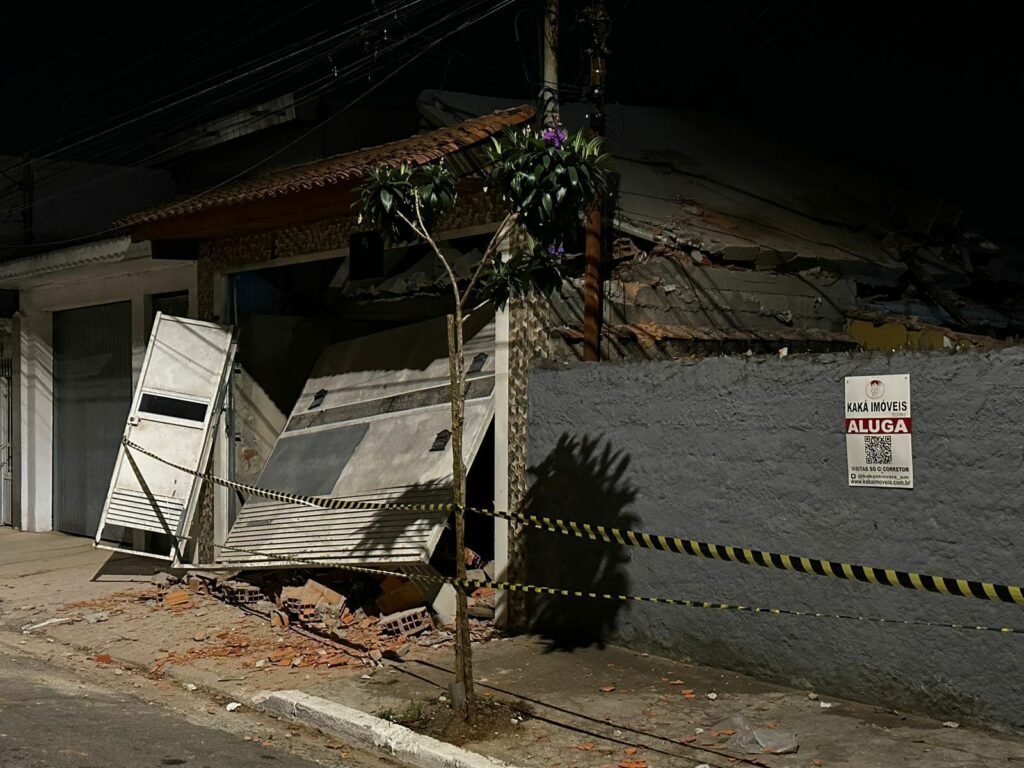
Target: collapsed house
[(720, 245), (723, 241)]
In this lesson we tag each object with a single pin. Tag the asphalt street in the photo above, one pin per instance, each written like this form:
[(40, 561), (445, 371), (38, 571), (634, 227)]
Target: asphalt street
[(49, 719)]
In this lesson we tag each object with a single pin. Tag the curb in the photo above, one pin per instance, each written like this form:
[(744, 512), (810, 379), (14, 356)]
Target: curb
[(370, 731)]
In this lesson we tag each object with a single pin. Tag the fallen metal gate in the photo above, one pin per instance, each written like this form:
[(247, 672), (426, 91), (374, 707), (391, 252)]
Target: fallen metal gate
[(174, 412), (372, 423)]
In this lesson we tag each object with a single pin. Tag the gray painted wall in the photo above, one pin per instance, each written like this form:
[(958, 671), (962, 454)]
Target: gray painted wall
[(750, 452)]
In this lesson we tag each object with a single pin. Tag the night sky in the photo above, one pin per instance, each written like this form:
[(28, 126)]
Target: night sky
[(929, 96)]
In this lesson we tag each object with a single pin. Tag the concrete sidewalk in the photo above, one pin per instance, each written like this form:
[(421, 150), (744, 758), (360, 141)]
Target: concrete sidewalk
[(589, 708)]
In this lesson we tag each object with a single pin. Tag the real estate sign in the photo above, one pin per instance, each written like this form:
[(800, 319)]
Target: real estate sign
[(878, 434)]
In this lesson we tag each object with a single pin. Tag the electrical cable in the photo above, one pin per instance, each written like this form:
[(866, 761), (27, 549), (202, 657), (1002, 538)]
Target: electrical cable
[(234, 96), (496, 7), (353, 69), (251, 68), (325, 82)]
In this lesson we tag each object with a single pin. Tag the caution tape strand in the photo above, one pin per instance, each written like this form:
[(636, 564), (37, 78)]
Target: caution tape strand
[(534, 589), (888, 577)]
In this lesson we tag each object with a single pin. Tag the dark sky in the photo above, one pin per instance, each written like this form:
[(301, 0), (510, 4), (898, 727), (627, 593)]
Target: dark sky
[(927, 94)]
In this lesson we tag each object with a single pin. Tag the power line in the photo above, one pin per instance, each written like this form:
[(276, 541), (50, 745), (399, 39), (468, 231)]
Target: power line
[(350, 69), (182, 96), (190, 119), (499, 6)]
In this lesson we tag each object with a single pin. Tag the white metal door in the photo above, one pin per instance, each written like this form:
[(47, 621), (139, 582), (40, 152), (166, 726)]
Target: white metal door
[(174, 412), (373, 423)]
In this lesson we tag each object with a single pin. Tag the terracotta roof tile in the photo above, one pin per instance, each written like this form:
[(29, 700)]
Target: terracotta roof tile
[(417, 150)]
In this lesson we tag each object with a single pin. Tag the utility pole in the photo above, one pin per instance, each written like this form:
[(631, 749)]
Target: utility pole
[(549, 88), (596, 19)]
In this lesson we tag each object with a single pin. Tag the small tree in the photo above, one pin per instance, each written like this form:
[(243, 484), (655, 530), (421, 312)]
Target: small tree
[(546, 181)]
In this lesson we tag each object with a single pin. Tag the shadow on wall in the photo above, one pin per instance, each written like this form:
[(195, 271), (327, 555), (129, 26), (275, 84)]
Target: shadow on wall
[(581, 479)]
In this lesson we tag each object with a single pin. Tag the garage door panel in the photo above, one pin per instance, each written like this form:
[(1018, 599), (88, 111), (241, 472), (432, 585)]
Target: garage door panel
[(383, 406), (174, 410)]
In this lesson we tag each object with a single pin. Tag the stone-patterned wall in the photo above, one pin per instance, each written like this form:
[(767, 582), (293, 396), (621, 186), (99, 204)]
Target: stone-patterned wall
[(528, 342)]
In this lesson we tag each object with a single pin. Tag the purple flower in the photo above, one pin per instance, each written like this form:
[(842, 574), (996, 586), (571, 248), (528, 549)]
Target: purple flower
[(555, 135), (556, 250)]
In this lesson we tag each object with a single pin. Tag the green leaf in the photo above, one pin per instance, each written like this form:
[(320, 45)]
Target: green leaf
[(386, 199)]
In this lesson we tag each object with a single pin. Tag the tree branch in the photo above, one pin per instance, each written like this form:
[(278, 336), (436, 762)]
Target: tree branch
[(499, 234), (428, 239)]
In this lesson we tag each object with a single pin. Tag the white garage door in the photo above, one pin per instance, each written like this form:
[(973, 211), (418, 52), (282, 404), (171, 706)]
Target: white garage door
[(373, 422)]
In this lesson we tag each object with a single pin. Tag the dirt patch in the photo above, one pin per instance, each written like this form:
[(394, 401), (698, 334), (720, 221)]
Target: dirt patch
[(436, 718)]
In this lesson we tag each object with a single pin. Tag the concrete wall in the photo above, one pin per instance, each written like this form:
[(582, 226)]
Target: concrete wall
[(750, 452), (40, 298)]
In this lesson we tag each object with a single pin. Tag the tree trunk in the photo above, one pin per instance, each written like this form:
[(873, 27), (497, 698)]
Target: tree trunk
[(463, 694)]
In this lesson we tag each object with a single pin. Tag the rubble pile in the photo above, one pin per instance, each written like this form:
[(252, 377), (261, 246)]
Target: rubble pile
[(364, 620)]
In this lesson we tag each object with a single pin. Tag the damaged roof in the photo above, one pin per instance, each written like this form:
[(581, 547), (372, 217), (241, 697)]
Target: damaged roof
[(694, 180), (703, 186), (415, 150)]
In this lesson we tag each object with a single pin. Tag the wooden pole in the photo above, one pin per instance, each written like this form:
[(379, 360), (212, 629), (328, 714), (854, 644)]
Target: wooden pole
[(597, 21), (592, 288)]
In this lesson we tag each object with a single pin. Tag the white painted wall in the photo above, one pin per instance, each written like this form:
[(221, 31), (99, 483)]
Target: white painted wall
[(81, 286)]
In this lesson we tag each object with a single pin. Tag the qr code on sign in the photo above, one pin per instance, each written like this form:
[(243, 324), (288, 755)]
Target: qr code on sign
[(878, 450)]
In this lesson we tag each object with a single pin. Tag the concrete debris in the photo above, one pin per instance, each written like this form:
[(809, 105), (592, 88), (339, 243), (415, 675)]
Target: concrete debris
[(95, 618), (950, 724), (240, 593), (407, 623), (712, 696), (444, 605), (434, 639), (233, 706), (190, 687), (825, 705), (48, 623), (479, 608), (349, 636)]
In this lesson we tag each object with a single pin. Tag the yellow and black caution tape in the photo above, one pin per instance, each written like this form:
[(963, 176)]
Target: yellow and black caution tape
[(533, 589), (887, 577)]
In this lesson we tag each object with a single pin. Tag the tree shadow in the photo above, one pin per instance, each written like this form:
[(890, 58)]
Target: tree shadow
[(581, 479)]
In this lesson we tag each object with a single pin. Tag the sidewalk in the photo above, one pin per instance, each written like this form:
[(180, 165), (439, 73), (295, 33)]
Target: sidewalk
[(586, 709)]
